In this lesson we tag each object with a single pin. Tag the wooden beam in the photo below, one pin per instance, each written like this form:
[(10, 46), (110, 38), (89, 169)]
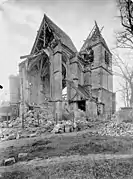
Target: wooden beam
[(41, 39), (29, 56), (41, 64)]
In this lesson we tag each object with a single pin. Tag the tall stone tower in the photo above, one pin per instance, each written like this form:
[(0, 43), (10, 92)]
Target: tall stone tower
[(102, 77)]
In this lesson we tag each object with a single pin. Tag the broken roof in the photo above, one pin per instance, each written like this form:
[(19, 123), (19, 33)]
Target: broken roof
[(65, 39), (94, 38)]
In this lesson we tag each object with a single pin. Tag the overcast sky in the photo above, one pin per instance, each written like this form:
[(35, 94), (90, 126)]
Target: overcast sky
[(20, 20)]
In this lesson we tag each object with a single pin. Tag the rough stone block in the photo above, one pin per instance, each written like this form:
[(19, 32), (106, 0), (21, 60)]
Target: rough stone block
[(9, 161), (33, 135), (5, 138), (12, 137), (67, 128), (22, 156)]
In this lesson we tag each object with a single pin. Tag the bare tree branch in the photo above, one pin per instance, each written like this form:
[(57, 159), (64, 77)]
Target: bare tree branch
[(125, 38), (126, 74)]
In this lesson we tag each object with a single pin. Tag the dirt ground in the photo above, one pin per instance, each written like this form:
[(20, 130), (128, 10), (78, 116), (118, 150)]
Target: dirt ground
[(71, 155)]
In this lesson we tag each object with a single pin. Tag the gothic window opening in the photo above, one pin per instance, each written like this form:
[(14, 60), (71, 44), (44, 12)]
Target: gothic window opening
[(106, 58), (64, 87)]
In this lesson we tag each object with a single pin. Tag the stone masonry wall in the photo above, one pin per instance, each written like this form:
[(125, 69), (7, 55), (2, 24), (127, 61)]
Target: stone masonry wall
[(96, 78), (97, 55), (107, 100), (107, 80)]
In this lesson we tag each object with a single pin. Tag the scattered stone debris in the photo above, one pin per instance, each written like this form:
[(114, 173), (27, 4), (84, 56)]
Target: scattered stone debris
[(36, 123), (115, 128), (39, 121)]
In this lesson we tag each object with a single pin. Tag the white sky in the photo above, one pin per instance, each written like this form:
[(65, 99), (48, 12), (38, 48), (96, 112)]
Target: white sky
[(20, 20)]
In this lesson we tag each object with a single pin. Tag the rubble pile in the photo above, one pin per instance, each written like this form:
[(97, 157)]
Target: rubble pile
[(40, 120), (37, 117), (71, 123), (36, 122), (32, 118), (115, 128)]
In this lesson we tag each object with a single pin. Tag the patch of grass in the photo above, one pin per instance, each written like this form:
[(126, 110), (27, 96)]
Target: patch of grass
[(80, 169), (82, 144), (14, 175), (94, 146), (37, 149), (102, 169)]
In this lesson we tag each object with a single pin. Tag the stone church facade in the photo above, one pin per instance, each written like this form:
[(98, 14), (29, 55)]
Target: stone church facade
[(54, 64)]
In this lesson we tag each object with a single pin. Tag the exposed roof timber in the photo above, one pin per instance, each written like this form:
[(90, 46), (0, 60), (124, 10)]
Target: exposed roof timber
[(35, 60), (58, 34)]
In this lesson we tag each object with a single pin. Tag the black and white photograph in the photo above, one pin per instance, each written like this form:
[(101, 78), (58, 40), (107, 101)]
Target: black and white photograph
[(66, 89)]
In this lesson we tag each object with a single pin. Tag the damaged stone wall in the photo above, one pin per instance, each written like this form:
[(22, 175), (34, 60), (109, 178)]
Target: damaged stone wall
[(75, 77), (97, 55), (34, 87), (81, 74), (39, 88), (37, 95), (91, 108), (107, 80), (102, 79), (96, 78), (107, 100)]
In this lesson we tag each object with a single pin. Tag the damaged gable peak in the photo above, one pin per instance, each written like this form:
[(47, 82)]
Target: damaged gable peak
[(94, 38), (65, 39)]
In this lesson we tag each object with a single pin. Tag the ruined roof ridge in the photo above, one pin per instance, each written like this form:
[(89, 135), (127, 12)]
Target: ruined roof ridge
[(94, 37), (65, 39)]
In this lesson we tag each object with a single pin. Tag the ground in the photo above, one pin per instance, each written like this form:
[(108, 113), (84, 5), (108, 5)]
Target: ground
[(73, 155)]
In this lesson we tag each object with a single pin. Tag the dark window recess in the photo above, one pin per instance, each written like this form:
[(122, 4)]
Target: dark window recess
[(81, 105), (106, 58), (63, 77), (98, 110)]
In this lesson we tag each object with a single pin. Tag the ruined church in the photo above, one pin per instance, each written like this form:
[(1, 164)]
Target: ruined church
[(56, 74)]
